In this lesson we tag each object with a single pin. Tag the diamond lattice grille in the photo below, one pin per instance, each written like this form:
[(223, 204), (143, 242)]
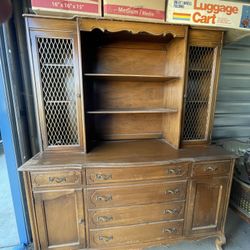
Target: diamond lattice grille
[(58, 87), (198, 93)]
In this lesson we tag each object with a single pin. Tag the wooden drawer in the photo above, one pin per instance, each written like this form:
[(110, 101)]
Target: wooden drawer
[(135, 214), (122, 174), (56, 178), (136, 194), (211, 168), (135, 234)]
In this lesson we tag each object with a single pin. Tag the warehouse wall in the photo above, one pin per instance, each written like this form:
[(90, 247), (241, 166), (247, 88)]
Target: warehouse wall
[(232, 115)]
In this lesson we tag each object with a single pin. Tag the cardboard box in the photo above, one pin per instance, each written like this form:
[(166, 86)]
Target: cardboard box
[(211, 13), (67, 7), (144, 10)]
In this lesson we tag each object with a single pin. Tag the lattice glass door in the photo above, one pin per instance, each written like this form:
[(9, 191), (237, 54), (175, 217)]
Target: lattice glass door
[(57, 90), (198, 93)]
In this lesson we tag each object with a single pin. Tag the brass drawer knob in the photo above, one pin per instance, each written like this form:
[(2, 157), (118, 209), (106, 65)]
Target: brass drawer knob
[(103, 177), (176, 171), (81, 221), (170, 230), (105, 238), (104, 218), (57, 179), (171, 211), (210, 169), (104, 198), (174, 191)]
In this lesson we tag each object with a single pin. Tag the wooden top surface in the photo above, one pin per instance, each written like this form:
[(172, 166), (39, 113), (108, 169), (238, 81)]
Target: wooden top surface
[(125, 154)]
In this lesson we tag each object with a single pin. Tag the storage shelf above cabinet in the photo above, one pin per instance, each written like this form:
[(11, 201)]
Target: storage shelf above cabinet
[(200, 70), (133, 111), (57, 65), (128, 77), (197, 101), (68, 101)]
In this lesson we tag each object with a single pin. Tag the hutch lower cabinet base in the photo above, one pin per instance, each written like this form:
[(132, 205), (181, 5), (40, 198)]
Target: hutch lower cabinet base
[(128, 195)]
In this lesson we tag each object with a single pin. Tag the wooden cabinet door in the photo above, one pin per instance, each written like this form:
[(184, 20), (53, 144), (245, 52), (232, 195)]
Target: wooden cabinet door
[(54, 55), (60, 219), (206, 205), (204, 50)]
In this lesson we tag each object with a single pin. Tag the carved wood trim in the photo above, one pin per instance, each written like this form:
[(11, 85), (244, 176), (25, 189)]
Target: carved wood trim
[(133, 27), (89, 24)]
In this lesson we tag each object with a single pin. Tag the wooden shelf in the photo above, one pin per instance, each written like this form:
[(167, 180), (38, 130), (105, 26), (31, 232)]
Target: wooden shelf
[(128, 77), (200, 70), (58, 101), (57, 65), (133, 111), (196, 101)]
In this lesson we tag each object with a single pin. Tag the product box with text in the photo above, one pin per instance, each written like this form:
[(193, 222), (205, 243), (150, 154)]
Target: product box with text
[(213, 13), (144, 10), (67, 7)]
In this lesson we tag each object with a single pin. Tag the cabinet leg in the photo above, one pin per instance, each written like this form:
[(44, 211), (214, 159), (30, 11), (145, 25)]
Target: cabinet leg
[(220, 241)]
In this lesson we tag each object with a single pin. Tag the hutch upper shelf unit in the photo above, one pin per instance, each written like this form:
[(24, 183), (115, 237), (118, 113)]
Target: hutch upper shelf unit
[(132, 82), (116, 103)]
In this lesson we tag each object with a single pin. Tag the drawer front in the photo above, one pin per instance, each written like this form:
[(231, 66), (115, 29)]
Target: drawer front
[(62, 178), (135, 214), (211, 168), (135, 234), (136, 194), (111, 175)]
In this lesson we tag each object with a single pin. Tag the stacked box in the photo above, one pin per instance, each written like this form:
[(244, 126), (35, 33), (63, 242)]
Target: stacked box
[(67, 7), (214, 13), (144, 10)]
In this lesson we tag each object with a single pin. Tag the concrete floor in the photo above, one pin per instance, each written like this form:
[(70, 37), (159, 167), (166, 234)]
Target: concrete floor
[(8, 229), (14, 248)]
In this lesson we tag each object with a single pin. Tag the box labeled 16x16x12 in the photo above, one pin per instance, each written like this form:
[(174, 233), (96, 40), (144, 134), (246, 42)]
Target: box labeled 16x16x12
[(67, 7)]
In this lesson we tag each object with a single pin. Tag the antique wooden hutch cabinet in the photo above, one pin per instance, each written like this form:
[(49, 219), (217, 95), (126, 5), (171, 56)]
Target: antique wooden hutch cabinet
[(124, 111)]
